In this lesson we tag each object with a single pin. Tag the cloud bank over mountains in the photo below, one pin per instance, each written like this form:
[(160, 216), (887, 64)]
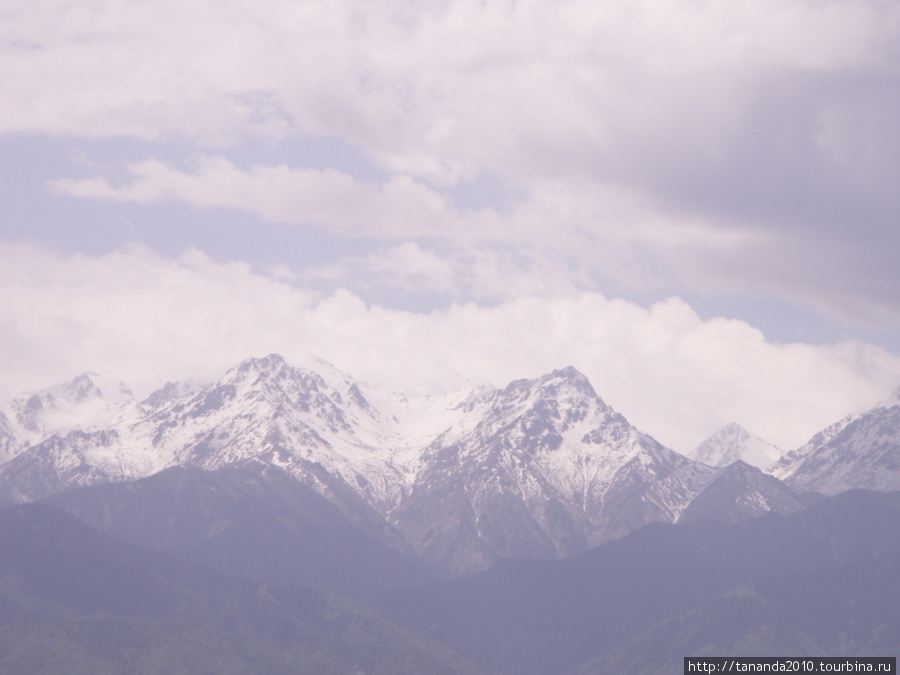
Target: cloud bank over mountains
[(149, 318), (469, 191)]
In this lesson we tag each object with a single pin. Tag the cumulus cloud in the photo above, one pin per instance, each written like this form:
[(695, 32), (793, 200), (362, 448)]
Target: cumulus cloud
[(147, 319)]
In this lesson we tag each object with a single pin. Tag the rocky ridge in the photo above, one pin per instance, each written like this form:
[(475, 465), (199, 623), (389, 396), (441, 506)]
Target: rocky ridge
[(860, 451)]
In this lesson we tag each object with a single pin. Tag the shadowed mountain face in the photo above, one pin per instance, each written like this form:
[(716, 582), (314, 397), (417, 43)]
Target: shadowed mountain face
[(848, 610), (740, 491), (534, 617), (255, 521), (76, 601)]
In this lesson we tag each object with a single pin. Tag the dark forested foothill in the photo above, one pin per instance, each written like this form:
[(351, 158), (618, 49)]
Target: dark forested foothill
[(73, 600)]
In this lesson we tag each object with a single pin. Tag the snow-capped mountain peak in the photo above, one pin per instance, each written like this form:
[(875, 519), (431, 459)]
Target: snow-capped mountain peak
[(732, 443), (551, 461), (167, 393)]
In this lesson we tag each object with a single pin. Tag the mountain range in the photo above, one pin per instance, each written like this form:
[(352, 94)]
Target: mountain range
[(540, 468), (528, 528)]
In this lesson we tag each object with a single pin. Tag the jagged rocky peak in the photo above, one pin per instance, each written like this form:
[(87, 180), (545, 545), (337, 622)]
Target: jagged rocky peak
[(268, 367), (542, 467), (271, 377), (568, 378), (319, 380), (733, 443), (82, 388), (566, 383), (266, 405), (93, 386), (563, 394), (85, 386), (532, 415)]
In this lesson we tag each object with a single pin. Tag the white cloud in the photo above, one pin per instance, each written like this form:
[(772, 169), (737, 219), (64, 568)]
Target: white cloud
[(430, 83), (412, 268), (529, 89), (661, 143), (561, 224), (279, 193), (149, 319), (771, 120), (486, 273)]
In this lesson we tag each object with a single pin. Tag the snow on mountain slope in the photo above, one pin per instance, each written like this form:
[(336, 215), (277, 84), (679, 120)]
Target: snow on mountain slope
[(860, 451), (10, 444), (789, 462), (318, 426), (58, 463), (266, 410), (542, 468), (733, 443), (67, 435), (88, 403)]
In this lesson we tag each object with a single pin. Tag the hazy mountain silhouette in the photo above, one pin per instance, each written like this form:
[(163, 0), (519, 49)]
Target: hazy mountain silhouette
[(541, 617)]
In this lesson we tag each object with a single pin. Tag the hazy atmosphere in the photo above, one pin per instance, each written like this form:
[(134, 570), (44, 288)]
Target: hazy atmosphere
[(694, 203)]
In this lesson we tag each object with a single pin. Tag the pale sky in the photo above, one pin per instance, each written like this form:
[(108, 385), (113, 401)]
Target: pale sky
[(695, 203)]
